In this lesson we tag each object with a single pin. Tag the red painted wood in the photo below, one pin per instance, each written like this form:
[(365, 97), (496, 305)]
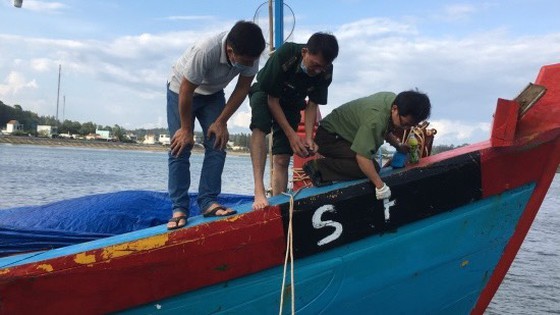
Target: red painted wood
[(190, 259), (543, 180), (504, 124), (506, 168), (543, 116), (538, 125)]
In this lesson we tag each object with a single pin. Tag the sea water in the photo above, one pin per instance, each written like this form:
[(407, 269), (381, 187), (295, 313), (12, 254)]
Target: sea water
[(31, 175)]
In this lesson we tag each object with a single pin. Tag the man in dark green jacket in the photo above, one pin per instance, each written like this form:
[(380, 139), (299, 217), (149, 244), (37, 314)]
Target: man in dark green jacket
[(293, 73), (351, 134)]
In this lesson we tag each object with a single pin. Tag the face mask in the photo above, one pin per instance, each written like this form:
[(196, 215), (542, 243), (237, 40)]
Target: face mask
[(306, 71), (303, 68), (240, 67)]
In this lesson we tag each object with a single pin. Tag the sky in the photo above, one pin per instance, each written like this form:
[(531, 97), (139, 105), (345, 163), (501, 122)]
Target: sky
[(116, 55)]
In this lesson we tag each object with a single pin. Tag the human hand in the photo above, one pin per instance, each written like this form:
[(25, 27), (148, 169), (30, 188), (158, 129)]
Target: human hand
[(311, 147), (220, 131), (403, 148), (181, 139), (383, 193), (298, 145)]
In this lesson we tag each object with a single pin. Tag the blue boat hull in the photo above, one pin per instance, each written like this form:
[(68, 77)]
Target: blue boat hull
[(449, 256)]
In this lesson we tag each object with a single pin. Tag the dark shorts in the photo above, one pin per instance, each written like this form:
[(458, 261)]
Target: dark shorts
[(261, 118)]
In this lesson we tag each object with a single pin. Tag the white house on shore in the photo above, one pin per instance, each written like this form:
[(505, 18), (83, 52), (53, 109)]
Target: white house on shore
[(164, 139), (103, 134), (12, 126), (149, 139), (46, 131)]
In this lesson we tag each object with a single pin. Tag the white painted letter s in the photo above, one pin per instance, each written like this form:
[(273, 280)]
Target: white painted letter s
[(318, 223)]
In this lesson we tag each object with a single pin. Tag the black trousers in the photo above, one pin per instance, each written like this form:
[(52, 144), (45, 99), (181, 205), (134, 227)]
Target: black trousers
[(339, 162)]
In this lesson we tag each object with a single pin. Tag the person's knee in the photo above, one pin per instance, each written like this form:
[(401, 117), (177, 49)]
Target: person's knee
[(281, 161), (257, 132)]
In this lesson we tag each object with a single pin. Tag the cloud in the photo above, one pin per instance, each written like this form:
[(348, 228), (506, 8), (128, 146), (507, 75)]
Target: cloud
[(373, 27), (15, 82), (457, 12), (41, 64), (190, 17), (458, 132), (43, 7), (463, 75)]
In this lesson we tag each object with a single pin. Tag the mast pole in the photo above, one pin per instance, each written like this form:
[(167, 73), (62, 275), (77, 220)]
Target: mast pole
[(276, 39), (278, 23)]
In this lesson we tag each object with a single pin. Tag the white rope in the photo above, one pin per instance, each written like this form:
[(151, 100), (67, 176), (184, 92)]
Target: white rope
[(290, 255)]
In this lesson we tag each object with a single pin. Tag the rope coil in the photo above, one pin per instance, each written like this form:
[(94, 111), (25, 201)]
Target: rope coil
[(424, 136)]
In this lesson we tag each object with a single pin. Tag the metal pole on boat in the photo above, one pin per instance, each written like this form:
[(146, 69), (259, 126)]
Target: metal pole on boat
[(278, 23), (271, 46), (270, 26), (276, 38)]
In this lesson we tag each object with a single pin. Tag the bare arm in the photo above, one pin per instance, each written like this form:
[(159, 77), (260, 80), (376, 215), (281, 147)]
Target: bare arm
[(219, 127), (296, 143), (367, 166), (184, 136), (310, 119)]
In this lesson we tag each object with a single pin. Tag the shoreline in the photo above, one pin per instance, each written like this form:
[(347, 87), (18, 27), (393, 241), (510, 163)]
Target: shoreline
[(94, 144)]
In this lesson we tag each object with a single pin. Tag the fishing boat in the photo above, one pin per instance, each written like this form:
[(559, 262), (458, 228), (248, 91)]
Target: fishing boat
[(442, 244)]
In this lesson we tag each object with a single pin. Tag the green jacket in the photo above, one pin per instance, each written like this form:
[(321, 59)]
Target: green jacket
[(283, 78), (363, 122)]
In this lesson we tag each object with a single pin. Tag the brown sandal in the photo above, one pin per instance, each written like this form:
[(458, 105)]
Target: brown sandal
[(176, 220), (213, 211)]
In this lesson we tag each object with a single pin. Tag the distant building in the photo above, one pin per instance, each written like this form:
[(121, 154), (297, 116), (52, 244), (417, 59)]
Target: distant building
[(66, 135), (149, 139), (130, 136), (12, 126), (164, 139), (103, 134), (47, 131), (231, 145)]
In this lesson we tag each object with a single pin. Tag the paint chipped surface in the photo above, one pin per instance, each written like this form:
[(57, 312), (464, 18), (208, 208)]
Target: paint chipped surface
[(464, 263), (46, 267), (4, 271), (136, 246), (84, 258), (233, 218)]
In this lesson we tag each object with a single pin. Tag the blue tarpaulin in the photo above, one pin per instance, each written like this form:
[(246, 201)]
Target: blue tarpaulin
[(67, 222)]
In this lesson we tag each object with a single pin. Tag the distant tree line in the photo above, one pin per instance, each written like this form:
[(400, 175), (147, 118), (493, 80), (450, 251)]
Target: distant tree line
[(444, 147), (27, 118), (30, 120)]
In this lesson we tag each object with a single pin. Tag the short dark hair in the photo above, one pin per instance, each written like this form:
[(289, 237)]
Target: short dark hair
[(325, 44), (246, 39), (414, 103)]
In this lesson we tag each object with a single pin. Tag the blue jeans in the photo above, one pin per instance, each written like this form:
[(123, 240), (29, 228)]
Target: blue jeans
[(205, 108)]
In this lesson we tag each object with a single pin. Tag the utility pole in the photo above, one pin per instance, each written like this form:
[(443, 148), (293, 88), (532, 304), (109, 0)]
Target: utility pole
[(63, 106), (58, 92)]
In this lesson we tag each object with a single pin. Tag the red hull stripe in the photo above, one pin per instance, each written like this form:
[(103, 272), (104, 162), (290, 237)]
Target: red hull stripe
[(219, 252)]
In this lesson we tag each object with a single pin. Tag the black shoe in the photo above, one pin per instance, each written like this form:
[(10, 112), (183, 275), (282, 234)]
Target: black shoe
[(310, 169)]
